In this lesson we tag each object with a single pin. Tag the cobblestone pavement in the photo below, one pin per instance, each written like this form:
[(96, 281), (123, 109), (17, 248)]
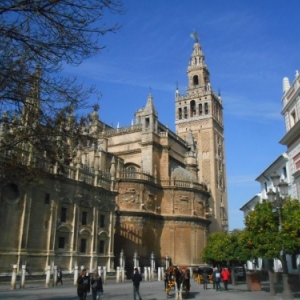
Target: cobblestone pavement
[(150, 290)]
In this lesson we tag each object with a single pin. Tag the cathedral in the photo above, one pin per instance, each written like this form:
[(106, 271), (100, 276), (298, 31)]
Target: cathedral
[(138, 189)]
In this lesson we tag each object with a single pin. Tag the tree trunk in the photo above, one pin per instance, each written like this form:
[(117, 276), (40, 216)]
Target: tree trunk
[(271, 277)]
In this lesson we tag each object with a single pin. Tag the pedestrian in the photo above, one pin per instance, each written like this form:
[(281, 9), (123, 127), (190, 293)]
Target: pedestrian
[(59, 276), (204, 279), (97, 286), (213, 277), (166, 279), (83, 285), (217, 279), (136, 279), (225, 277)]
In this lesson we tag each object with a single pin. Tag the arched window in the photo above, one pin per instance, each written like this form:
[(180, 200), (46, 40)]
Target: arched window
[(192, 108), (180, 113), (200, 109), (206, 108), (131, 171), (185, 113), (195, 80)]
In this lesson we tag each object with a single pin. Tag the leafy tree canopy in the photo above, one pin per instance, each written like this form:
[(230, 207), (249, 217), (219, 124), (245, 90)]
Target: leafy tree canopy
[(223, 247), (263, 235)]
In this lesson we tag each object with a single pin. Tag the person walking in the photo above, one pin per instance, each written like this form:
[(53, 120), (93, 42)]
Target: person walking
[(136, 279), (225, 275), (166, 279), (97, 286), (213, 278), (59, 276), (83, 285), (217, 279), (204, 279)]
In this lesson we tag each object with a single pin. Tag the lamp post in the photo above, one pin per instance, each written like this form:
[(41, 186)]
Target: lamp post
[(277, 198)]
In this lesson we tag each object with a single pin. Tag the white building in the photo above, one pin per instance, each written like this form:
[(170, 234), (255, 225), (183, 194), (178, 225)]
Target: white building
[(281, 167), (286, 165), (291, 112)]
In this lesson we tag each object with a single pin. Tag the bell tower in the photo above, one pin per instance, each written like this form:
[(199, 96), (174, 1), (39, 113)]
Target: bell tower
[(200, 112)]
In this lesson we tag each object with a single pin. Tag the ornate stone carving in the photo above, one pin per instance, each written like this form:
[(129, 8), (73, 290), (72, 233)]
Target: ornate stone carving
[(129, 196), (182, 203)]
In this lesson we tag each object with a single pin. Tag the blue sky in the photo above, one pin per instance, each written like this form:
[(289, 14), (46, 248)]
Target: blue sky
[(249, 47)]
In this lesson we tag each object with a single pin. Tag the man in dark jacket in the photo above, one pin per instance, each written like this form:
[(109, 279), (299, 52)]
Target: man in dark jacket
[(83, 285), (204, 279), (136, 279), (59, 276)]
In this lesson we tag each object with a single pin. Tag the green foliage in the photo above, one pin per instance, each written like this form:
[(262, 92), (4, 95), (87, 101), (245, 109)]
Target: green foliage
[(263, 235), (290, 233), (262, 232), (223, 247)]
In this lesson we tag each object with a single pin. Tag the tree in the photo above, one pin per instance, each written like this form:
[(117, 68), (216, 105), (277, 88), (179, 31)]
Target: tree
[(39, 37), (266, 239), (218, 249), (225, 248), (290, 232), (262, 232)]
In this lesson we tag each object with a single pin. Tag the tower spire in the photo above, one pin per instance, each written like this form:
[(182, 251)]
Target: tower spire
[(149, 108)]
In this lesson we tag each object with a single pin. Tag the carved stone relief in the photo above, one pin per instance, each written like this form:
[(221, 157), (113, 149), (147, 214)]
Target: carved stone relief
[(183, 203), (130, 196)]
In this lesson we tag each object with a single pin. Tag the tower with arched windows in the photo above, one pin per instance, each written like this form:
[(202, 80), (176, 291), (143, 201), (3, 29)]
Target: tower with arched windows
[(200, 112)]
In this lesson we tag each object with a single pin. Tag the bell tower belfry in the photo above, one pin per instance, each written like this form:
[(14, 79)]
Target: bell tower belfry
[(200, 113)]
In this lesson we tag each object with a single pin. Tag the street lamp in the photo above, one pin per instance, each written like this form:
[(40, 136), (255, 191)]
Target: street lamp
[(277, 198)]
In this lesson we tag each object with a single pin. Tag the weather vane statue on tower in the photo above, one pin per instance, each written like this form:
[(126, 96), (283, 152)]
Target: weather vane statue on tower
[(194, 35)]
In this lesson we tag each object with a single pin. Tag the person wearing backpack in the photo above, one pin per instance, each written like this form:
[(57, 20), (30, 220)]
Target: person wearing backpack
[(217, 279)]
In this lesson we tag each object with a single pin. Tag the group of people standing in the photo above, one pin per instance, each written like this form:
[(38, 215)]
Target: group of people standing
[(217, 277), (85, 284)]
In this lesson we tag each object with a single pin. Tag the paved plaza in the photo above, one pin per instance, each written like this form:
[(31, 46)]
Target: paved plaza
[(150, 290)]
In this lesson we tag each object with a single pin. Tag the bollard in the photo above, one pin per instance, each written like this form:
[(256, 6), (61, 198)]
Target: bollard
[(75, 275), (48, 273), (104, 274), (55, 276), (159, 274), (145, 274), (149, 272), (23, 274), (118, 275), (99, 271), (162, 273), (123, 274), (14, 278)]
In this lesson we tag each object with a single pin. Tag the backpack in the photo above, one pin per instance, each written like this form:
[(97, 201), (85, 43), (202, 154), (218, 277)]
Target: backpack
[(218, 275)]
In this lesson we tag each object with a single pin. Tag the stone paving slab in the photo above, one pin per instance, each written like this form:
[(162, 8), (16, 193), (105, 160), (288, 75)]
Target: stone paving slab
[(150, 290)]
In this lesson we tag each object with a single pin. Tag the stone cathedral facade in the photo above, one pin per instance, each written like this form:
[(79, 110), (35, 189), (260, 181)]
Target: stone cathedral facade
[(138, 189)]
